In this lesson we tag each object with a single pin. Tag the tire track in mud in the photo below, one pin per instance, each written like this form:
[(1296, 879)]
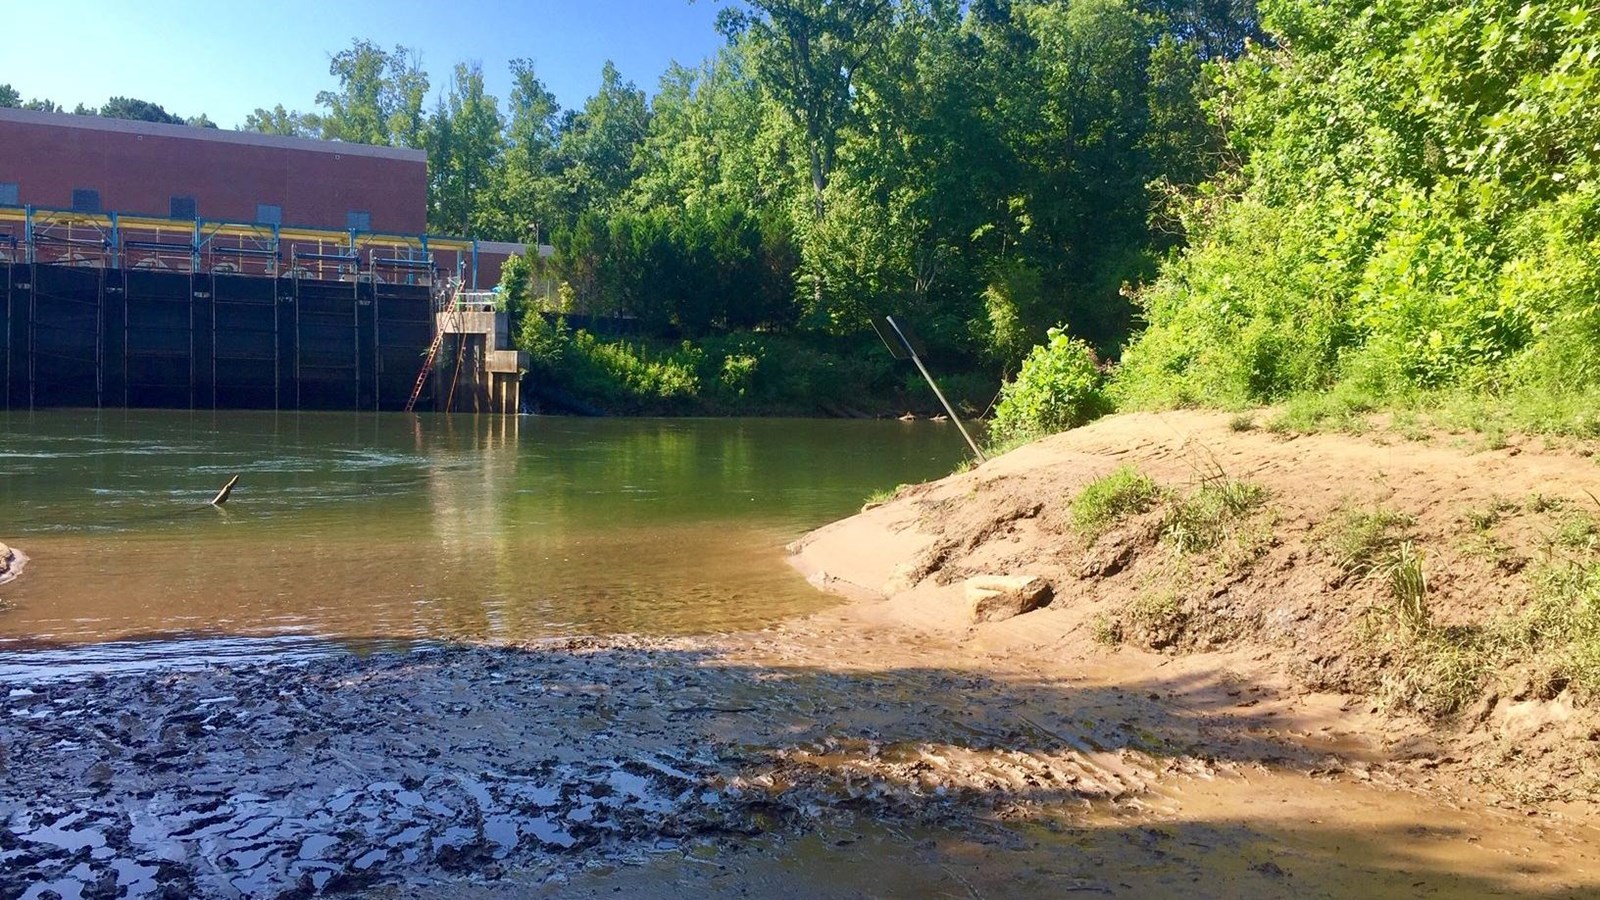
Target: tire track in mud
[(338, 774)]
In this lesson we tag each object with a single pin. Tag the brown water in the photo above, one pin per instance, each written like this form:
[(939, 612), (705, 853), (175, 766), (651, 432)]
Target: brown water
[(365, 528)]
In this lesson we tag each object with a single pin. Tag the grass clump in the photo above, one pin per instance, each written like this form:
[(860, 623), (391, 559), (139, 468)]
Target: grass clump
[(1105, 629), (1438, 671), (1483, 518), (1543, 503), (1206, 517), (1409, 585), (1344, 411), (881, 496), (1361, 540), (1560, 628), (1553, 643), (1576, 532), (1409, 425), (1106, 501), (1242, 422), (1435, 670), (1156, 619)]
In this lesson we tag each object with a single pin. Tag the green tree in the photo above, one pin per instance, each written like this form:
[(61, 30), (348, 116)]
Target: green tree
[(281, 121), (599, 144), (526, 187), (9, 96), (379, 99), (807, 54), (464, 146), (138, 110), (1413, 206)]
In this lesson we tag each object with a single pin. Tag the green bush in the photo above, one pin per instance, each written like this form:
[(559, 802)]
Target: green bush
[(544, 342), (1414, 208), (740, 373), (1059, 387)]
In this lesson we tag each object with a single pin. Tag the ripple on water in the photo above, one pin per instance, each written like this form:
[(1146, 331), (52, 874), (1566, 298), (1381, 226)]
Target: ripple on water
[(21, 665)]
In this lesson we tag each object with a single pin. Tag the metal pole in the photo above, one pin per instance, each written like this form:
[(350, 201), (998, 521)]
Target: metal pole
[(947, 408), (905, 343)]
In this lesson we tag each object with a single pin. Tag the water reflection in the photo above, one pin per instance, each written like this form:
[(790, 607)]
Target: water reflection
[(434, 527)]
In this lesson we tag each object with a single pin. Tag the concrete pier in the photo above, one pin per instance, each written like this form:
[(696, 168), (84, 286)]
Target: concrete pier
[(482, 372)]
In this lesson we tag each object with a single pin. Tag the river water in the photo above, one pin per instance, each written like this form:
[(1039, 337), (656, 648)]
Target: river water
[(371, 530)]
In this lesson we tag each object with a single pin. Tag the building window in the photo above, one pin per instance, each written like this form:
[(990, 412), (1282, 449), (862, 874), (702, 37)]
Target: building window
[(185, 208), (269, 214), (8, 194), (85, 200), (360, 221)]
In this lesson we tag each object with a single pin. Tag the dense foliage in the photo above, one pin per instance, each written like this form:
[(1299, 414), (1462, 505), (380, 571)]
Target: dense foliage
[(746, 373), (1060, 387), (1415, 205), (986, 169), (1374, 198)]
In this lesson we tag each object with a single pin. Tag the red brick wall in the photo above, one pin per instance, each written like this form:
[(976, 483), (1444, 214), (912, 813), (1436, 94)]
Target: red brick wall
[(138, 167)]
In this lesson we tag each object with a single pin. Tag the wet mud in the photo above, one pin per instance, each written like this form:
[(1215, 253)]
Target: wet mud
[(691, 766)]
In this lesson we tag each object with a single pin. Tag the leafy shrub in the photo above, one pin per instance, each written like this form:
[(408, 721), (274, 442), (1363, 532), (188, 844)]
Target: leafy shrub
[(544, 341), (1059, 387), (1417, 210), (738, 373)]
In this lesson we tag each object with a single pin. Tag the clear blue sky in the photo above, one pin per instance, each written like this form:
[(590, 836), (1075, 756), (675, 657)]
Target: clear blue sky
[(227, 58)]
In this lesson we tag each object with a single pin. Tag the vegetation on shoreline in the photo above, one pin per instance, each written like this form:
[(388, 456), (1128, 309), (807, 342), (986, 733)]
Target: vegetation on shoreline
[(741, 373), (1342, 207), (1409, 219)]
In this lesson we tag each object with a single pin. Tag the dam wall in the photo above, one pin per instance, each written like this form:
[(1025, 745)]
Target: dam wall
[(90, 336)]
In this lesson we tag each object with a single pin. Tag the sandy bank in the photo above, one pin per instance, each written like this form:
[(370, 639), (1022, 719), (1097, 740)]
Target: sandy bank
[(1272, 604)]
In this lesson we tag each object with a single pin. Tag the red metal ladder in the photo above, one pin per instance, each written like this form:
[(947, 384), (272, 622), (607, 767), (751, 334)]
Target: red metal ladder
[(433, 348)]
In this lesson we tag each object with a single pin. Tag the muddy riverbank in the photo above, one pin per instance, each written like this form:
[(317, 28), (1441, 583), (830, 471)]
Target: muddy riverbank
[(802, 761), (887, 747)]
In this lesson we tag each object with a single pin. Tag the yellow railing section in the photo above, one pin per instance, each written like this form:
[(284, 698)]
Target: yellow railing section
[(30, 234)]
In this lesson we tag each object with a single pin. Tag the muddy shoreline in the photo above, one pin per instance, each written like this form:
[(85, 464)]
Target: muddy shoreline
[(886, 747), (346, 774), (813, 759)]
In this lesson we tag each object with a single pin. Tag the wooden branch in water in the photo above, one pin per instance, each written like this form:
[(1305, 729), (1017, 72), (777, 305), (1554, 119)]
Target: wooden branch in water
[(227, 489)]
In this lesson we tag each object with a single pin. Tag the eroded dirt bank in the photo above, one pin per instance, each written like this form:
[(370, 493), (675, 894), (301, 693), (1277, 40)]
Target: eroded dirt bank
[(1245, 744), (1449, 590)]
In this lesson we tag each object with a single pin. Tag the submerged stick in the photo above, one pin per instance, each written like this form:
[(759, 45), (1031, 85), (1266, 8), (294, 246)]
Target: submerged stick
[(227, 489)]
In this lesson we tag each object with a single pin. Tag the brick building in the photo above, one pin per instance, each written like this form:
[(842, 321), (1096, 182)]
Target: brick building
[(90, 164)]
